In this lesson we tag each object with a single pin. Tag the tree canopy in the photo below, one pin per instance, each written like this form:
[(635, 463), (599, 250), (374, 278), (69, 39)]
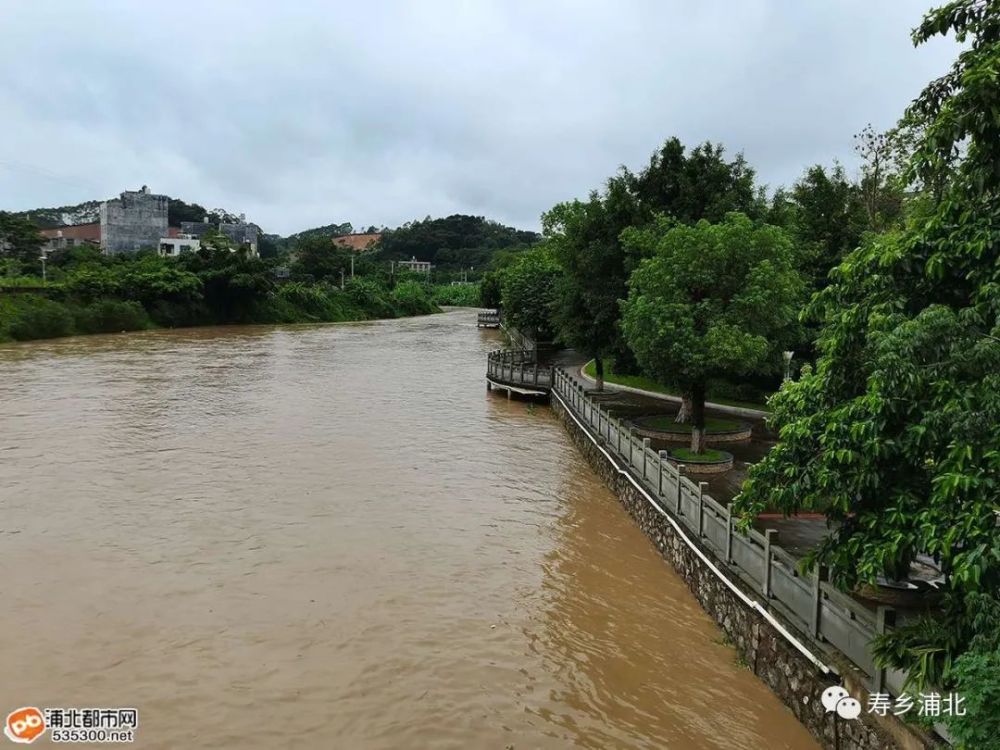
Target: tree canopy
[(709, 300), (457, 241), (895, 433), (528, 291)]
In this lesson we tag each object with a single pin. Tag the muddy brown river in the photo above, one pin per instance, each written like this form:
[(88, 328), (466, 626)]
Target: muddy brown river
[(334, 537)]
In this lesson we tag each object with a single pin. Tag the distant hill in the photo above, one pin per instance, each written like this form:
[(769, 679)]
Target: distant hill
[(89, 212), (62, 216), (330, 230), (457, 241)]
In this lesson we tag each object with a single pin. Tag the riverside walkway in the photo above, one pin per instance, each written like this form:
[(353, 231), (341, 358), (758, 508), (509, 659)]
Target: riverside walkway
[(518, 372), (834, 624)]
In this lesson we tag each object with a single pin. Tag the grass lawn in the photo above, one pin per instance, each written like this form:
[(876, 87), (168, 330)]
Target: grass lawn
[(710, 454), (666, 423), (646, 384)]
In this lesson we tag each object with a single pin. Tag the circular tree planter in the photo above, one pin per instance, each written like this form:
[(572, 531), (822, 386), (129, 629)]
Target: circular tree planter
[(663, 427), (902, 595), (712, 461)]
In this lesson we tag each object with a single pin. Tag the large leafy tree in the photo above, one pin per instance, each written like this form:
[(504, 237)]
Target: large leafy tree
[(585, 237), (686, 185), (697, 184), (896, 433), (828, 219), (528, 291), (710, 300)]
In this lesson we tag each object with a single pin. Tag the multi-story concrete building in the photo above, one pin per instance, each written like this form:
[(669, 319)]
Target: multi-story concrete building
[(241, 233), (136, 220)]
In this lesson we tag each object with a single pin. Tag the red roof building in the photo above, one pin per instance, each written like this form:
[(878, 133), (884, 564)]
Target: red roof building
[(58, 238)]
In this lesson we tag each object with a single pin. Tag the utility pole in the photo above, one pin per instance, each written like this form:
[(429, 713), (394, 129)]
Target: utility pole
[(42, 258), (352, 265), (341, 279)]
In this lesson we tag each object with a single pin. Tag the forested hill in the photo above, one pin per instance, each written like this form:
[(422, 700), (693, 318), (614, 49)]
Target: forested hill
[(328, 230), (457, 241), (89, 212)]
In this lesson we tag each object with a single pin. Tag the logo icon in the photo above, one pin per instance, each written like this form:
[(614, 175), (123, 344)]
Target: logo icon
[(25, 725), (835, 698)]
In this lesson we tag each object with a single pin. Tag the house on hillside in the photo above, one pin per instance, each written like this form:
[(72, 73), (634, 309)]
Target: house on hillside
[(417, 266), (61, 238)]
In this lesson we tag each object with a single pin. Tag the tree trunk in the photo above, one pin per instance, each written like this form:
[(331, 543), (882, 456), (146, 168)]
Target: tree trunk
[(599, 371), (698, 418), (684, 415)]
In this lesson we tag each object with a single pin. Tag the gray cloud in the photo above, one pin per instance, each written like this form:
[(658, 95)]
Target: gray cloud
[(303, 113)]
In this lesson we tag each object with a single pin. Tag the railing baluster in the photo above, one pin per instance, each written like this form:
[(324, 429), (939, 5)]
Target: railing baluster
[(701, 508), (769, 536)]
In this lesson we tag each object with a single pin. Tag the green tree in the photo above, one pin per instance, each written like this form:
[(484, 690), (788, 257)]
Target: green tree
[(695, 185), (895, 433), (19, 239), (528, 290), (828, 219), (489, 290), (585, 238), (317, 257), (710, 300), (882, 182)]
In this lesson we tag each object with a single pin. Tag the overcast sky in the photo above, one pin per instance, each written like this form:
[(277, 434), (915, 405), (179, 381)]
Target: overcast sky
[(375, 112)]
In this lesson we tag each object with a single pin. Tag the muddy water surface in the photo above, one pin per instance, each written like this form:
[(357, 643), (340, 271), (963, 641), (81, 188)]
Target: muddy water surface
[(333, 537)]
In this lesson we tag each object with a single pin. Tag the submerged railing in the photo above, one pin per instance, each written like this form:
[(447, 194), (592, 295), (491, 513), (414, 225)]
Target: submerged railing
[(488, 319), (811, 604), (518, 368)]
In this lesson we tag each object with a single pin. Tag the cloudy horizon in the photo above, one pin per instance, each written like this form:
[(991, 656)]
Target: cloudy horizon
[(302, 114)]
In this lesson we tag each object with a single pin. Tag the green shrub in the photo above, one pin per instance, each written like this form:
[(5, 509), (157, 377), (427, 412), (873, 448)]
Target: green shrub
[(371, 297), (410, 298), (458, 295), (308, 302), (111, 316), (32, 317)]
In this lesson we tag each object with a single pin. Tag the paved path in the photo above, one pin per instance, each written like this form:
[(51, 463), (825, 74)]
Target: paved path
[(738, 411)]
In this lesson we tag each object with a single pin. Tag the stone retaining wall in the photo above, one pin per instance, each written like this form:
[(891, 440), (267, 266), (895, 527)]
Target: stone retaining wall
[(773, 658)]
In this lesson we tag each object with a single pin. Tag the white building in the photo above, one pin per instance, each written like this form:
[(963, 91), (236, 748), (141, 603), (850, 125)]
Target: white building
[(417, 266), (171, 247)]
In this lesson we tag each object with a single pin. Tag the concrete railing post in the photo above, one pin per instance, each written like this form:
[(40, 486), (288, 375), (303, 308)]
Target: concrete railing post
[(729, 534), (645, 447), (701, 508), (680, 485), (631, 446), (522, 371), (659, 473), (884, 616), (770, 537), (819, 575), (535, 374)]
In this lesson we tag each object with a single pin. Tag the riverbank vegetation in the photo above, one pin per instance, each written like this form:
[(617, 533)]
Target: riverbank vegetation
[(884, 289), (91, 293)]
